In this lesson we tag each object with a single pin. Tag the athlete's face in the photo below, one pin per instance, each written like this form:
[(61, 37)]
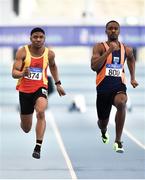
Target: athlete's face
[(112, 31), (37, 39)]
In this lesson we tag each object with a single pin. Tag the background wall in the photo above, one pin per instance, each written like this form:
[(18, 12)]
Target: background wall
[(70, 12)]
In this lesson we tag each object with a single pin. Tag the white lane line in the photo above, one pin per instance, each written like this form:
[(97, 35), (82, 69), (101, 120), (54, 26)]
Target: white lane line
[(125, 131), (134, 139), (62, 147)]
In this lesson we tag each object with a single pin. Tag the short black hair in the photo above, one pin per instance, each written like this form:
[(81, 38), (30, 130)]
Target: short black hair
[(37, 29), (111, 22)]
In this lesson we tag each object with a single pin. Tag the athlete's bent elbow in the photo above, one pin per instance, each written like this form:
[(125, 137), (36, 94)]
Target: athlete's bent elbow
[(93, 68), (14, 76)]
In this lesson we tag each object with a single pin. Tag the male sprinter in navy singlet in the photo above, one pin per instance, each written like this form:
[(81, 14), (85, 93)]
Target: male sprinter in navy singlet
[(108, 60)]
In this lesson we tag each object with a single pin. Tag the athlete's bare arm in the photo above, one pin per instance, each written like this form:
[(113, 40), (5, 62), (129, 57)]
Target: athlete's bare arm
[(54, 72), (131, 65), (52, 66), (17, 70), (99, 55)]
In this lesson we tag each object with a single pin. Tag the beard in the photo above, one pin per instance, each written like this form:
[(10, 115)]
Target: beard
[(113, 37)]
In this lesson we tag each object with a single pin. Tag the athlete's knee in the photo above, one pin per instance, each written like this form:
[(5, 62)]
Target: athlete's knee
[(121, 105), (25, 128), (26, 122)]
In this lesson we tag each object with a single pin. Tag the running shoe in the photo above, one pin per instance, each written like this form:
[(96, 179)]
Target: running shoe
[(36, 154), (105, 138), (118, 147)]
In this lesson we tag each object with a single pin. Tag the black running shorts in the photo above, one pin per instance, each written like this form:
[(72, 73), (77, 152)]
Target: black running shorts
[(27, 100), (105, 101)]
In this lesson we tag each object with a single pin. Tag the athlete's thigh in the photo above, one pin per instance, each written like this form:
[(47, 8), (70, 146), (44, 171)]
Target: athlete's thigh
[(41, 104), (40, 99)]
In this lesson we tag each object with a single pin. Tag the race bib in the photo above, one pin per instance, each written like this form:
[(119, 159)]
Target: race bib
[(114, 70), (35, 74)]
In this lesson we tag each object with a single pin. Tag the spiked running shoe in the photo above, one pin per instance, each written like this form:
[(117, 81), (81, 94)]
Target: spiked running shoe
[(118, 147), (105, 138), (36, 154)]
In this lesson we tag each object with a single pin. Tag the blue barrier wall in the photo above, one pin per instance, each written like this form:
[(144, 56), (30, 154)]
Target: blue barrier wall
[(70, 35)]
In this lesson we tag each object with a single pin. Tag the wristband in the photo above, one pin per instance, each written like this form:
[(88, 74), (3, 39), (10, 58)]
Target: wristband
[(58, 82)]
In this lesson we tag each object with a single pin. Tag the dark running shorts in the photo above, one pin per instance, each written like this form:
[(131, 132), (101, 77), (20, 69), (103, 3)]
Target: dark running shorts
[(27, 100), (105, 101)]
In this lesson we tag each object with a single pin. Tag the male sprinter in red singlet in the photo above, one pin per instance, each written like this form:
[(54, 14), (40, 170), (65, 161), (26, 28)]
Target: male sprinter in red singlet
[(30, 68), (108, 60)]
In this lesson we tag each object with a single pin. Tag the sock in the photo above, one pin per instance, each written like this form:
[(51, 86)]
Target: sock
[(38, 145), (103, 135), (119, 144), (103, 130)]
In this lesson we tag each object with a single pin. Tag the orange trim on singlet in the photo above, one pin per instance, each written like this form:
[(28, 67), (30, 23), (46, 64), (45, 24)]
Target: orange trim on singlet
[(101, 75), (122, 62), (27, 62), (30, 86), (45, 64)]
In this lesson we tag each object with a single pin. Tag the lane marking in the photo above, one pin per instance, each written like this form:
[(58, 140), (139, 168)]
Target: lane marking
[(62, 147), (125, 131), (134, 139)]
